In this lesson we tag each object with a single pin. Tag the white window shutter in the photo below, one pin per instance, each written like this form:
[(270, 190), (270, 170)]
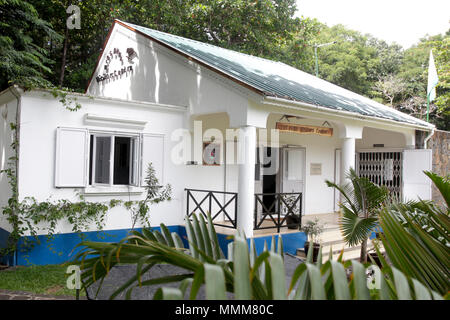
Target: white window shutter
[(415, 183), (71, 163), (152, 150)]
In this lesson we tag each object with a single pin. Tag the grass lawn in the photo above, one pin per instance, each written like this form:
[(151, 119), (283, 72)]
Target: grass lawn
[(49, 279)]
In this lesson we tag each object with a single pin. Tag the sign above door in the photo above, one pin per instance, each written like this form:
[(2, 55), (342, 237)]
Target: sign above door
[(304, 129)]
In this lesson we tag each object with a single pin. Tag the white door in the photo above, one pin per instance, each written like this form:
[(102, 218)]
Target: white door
[(293, 169), (416, 185)]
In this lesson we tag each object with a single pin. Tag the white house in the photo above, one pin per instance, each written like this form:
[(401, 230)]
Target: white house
[(160, 98)]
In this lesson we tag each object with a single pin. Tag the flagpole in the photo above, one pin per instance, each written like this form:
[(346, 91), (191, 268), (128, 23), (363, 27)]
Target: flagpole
[(432, 82)]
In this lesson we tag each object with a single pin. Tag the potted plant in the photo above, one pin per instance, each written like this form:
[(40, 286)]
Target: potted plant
[(291, 204), (313, 231)]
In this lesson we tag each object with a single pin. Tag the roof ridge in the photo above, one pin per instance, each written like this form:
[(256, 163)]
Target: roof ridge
[(201, 43), (323, 93)]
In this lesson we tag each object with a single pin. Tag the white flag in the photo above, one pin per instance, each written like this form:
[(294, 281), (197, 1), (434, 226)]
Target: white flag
[(432, 79)]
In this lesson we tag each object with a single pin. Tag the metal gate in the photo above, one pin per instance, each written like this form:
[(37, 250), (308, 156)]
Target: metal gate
[(383, 169)]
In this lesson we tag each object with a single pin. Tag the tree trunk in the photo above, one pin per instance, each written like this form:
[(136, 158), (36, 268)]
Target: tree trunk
[(63, 60), (363, 257)]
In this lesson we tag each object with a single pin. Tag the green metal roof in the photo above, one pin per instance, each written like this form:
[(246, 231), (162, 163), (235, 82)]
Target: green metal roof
[(277, 79)]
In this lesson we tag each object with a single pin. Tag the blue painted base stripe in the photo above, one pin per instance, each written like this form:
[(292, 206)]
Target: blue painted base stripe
[(60, 249), (5, 260)]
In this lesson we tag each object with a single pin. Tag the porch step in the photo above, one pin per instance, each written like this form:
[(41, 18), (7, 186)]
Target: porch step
[(330, 235), (331, 239), (350, 253)]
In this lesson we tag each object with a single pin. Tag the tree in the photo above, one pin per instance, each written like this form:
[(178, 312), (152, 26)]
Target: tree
[(264, 28), (442, 53), (391, 87), (23, 60), (414, 72), (362, 200)]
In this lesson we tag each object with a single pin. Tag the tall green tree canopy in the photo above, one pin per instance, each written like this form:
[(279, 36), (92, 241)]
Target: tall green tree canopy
[(23, 59), (37, 48)]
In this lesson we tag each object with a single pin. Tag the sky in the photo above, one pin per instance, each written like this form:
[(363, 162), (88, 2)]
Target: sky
[(400, 21)]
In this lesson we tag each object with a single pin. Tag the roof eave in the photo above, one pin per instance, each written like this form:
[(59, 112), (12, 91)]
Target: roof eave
[(279, 101)]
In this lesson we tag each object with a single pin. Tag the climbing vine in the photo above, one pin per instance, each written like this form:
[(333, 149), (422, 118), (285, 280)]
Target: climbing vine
[(30, 217)]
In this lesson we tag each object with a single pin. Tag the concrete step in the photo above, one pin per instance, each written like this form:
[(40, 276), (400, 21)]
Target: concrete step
[(331, 236), (350, 253)]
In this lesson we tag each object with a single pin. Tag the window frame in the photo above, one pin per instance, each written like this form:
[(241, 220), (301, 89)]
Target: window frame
[(134, 158)]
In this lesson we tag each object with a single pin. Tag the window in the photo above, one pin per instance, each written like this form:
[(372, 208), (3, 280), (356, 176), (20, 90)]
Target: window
[(112, 160), (93, 158)]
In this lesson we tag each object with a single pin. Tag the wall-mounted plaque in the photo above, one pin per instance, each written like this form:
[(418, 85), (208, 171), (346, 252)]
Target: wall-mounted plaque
[(304, 129), (316, 169), (115, 66)]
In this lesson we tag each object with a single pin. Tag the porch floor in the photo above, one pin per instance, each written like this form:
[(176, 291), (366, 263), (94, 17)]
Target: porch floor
[(256, 233), (329, 220)]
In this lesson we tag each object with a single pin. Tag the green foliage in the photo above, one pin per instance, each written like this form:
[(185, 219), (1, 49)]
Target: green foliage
[(386, 73), (362, 200), (245, 274), (413, 73), (23, 60), (29, 216), (264, 28), (313, 230), (349, 62), (140, 210), (35, 55), (416, 238)]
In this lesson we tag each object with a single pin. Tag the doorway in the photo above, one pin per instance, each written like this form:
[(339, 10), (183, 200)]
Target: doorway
[(267, 175), (293, 171)]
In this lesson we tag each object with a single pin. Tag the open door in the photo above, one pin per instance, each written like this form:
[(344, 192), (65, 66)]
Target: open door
[(269, 170)]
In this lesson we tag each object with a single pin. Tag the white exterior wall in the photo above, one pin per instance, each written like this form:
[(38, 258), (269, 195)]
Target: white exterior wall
[(159, 76), (162, 76), (39, 120), (318, 197), (373, 136), (319, 149), (8, 108), (166, 78)]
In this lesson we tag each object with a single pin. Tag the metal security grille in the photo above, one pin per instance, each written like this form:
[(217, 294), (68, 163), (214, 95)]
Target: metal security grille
[(383, 169)]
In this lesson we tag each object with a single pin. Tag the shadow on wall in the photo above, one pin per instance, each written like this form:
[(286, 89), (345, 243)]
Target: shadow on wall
[(157, 79)]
